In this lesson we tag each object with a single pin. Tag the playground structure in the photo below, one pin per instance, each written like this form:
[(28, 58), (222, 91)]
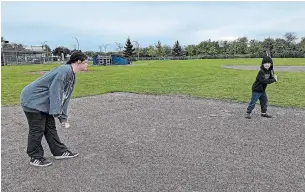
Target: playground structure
[(110, 60)]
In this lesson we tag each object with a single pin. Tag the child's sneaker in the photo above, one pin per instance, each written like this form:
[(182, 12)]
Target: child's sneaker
[(266, 115), (40, 162), (66, 155), (248, 116)]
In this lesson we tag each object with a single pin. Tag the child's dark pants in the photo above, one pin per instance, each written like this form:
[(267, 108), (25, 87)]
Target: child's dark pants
[(262, 96)]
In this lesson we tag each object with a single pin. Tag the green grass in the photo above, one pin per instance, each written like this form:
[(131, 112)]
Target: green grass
[(200, 78)]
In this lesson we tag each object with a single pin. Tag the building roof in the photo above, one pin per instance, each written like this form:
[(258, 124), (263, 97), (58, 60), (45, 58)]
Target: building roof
[(34, 48), (26, 49)]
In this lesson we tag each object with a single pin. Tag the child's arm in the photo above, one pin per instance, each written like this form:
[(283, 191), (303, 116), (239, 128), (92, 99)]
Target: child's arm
[(261, 78)]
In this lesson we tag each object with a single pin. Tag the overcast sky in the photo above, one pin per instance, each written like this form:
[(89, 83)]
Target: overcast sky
[(97, 23)]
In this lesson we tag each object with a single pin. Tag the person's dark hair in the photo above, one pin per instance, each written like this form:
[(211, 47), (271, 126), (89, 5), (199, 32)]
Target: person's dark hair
[(77, 56), (267, 59)]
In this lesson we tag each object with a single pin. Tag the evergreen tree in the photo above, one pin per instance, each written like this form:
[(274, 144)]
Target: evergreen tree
[(177, 50), (129, 50)]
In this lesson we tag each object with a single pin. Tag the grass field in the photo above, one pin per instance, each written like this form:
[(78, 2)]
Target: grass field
[(200, 78)]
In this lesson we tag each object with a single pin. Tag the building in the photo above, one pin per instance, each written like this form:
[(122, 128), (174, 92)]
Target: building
[(16, 54)]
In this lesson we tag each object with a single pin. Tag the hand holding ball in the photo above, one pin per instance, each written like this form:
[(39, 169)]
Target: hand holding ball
[(65, 125)]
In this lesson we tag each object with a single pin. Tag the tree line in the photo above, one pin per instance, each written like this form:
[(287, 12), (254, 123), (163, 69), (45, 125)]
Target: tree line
[(284, 47)]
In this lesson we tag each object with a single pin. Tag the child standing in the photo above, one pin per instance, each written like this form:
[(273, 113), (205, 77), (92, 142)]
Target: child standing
[(265, 76)]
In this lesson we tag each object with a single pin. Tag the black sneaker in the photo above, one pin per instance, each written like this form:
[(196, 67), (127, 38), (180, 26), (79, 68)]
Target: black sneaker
[(66, 155), (266, 115), (248, 116), (40, 162)]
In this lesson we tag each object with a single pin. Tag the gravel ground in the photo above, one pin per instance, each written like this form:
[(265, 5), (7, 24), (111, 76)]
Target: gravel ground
[(276, 68), (133, 142)]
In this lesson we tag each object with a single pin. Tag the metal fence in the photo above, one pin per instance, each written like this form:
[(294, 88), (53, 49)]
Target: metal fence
[(12, 57)]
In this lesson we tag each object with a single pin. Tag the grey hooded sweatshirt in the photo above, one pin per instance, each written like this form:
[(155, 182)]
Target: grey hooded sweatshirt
[(50, 93)]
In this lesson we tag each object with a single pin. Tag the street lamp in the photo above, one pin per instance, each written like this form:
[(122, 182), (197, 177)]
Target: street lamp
[(43, 46), (3, 42), (105, 46), (120, 46), (138, 47), (100, 48), (77, 43)]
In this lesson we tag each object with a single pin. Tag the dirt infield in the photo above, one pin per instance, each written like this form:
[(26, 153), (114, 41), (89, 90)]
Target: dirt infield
[(133, 142), (35, 72), (276, 68)]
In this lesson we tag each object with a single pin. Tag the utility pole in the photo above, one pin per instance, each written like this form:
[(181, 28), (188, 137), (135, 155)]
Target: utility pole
[(138, 48)]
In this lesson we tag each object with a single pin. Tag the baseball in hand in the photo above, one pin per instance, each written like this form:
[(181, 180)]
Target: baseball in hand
[(65, 125)]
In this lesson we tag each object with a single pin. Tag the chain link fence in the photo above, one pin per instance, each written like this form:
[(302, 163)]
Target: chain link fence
[(10, 57)]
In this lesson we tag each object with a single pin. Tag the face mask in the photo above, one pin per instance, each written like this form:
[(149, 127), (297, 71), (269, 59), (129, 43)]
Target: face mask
[(267, 65)]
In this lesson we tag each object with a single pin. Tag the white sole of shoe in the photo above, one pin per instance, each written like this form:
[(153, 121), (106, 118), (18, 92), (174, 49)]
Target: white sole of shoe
[(33, 164), (65, 157)]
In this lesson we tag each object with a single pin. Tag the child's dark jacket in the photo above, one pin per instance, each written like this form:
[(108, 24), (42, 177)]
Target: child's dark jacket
[(264, 76)]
